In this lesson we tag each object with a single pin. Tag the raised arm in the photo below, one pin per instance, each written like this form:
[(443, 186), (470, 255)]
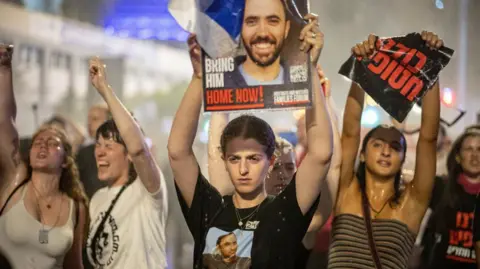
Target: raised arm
[(426, 157), (218, 175), (313, 169), (351, 129), (182, 135), (9, 143), (145, 164), (330, 186)]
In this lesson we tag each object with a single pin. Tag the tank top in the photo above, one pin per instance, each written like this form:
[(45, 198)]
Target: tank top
[(350, 248), (19, 242)]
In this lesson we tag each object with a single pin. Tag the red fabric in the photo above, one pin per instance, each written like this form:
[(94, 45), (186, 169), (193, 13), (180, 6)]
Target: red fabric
[(322, 241), (470, 188)]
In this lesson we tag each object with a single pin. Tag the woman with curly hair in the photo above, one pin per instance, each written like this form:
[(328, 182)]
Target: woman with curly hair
[(42, 202)]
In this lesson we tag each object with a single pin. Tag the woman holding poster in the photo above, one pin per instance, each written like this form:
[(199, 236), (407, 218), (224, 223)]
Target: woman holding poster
[(283, 170), (375, 221), (248, 227)]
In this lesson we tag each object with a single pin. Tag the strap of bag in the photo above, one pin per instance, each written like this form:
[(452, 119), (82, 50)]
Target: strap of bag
[(11, 195), (100, 227), (368, 225)]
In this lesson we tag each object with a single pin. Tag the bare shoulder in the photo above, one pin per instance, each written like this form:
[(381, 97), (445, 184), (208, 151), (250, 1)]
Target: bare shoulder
[(12, 183), (347, 197)]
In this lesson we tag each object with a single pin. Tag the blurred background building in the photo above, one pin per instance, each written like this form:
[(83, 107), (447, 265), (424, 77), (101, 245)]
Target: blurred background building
[(149, 67)]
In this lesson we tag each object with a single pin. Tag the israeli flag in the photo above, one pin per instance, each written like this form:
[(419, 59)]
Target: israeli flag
[(217, 23)]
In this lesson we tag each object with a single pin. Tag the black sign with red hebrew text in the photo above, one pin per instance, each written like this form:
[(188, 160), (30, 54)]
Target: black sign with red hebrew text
[(399, 73)]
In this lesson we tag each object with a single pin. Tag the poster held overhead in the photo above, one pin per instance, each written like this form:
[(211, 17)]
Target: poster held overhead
[(399, 73), (268, 70)]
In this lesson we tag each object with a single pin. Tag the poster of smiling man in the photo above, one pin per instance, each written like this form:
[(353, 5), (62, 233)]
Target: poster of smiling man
[(269, 69)]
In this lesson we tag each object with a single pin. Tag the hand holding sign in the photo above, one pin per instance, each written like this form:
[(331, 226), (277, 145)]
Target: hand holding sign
[(312, 38), (397, 72), (195, 55), (431, 40), (365, 48)]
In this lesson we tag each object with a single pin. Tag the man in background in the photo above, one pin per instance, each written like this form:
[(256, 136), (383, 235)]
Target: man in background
[(86, 163)]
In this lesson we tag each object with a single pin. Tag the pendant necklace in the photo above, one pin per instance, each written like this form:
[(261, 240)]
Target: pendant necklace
[(381, 209), (43, 233), (37, 194), (247, 218)]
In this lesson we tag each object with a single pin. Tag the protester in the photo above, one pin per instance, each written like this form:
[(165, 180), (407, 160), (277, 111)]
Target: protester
[(128, 216), (371, 198), (282, 172), (42, 202), (74, 133), (448, 241), (268, 230)]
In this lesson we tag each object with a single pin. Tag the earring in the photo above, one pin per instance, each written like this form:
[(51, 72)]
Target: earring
[(457, 159)]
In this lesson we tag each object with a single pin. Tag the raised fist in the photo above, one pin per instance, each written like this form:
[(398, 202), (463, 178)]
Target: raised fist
[(97, 75)]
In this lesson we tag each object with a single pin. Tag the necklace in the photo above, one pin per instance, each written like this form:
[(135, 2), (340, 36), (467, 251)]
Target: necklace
[(43, 233), (37, 194), (247, 218), (381, 209)]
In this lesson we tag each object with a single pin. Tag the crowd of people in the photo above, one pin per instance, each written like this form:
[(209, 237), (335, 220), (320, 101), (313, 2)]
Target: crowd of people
[(336, 200)]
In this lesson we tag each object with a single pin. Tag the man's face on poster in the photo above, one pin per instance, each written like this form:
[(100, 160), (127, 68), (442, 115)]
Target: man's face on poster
[(228, 248), (264, 30)]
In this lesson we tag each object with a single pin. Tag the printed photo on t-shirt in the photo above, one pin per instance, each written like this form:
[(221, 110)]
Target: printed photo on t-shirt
[(225, 249)]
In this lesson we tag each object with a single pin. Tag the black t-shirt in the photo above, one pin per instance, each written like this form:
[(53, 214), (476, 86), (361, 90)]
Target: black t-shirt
[(449, 241), (269, 237), (476, 223)]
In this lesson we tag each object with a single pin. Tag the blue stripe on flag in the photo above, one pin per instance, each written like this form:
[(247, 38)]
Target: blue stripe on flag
[(228, 14)]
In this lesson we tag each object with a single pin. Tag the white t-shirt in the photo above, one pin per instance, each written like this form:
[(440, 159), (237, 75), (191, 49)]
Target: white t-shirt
[(134, 233)]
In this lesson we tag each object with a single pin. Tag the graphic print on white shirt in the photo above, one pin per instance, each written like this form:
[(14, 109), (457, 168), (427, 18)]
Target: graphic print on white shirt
[(108, 240), (133, 235)]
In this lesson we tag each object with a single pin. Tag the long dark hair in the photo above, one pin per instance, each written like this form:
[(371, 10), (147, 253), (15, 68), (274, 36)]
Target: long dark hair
[(450, 197), (361, 170), (453, 191)]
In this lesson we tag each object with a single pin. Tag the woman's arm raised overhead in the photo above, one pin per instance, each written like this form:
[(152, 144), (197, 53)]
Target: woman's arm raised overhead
[(330, 186), (218, 175), (182, 135), (351, 129), (9, 142), (144, 162), (426, 157), (314, 167)]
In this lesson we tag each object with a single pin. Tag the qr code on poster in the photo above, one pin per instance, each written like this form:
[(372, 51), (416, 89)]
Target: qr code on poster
[(298, 73)]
